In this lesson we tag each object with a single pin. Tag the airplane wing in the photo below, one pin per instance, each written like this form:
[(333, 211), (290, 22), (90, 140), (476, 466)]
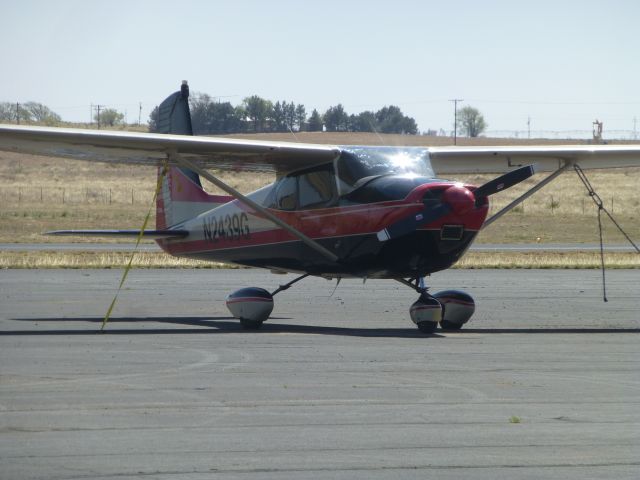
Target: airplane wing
[(237, 154), (448, 160), (151, 148)]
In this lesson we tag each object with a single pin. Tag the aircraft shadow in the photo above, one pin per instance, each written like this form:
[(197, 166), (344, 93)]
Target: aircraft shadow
[(218, 325), (208, 325)]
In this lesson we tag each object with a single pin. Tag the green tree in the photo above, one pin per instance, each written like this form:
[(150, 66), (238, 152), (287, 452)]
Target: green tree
[(153, 120), (259, 111), (279, 117), (8, 112), (39, 113), (209, 117), (109, 116), (315, 122), (471, 122), (336, 119), (363, 122), (30, 112), (391, 120), (290, 115), (301, 117)]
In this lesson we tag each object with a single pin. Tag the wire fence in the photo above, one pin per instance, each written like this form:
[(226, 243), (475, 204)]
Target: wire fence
[(70, 195)]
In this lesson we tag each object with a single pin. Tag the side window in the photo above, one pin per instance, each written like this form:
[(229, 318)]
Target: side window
[(316, 189), (313, 188), (286, 193)]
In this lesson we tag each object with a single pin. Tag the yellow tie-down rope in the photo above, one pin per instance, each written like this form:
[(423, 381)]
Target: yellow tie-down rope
[(163, 173)]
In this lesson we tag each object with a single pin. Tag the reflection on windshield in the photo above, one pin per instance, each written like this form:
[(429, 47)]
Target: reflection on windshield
[(357, 163)]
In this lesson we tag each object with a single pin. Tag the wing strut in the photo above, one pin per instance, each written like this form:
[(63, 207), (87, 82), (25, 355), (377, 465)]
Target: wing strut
[(528, 193), (250, 203)]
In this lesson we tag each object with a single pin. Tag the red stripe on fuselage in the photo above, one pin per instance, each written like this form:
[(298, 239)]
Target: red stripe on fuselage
[(335, 222)]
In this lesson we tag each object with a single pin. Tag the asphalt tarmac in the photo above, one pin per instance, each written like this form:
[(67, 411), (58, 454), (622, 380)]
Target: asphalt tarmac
[(544, 382)]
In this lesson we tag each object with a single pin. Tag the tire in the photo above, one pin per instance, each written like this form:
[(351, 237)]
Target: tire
[(427, 327), (447, 325), (250, 324)]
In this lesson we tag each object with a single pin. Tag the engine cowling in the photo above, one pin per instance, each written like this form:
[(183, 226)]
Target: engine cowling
[(457, 308), (251, 305)]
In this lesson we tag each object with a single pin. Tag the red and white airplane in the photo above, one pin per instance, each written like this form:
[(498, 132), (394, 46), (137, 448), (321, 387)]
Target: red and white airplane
[(333, 211)]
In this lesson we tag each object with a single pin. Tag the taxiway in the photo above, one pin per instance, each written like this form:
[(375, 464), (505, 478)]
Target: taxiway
[(542, 384)]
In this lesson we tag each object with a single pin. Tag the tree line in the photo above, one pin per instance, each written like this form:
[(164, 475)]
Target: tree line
[(30, 112), (256, 114)]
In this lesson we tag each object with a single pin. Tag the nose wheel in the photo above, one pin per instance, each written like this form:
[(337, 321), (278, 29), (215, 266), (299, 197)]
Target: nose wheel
[(426, 313), (450, 308)]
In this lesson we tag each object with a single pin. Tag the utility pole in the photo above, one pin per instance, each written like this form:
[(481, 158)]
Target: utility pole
[(98, 107), (529, 127), (455, 119), (18, 113), (139, 113)]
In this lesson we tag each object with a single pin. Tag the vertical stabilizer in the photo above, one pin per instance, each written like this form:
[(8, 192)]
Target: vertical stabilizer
[(181, 196)]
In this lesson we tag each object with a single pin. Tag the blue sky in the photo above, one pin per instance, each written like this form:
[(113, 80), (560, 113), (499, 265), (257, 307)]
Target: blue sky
[(563, 63)]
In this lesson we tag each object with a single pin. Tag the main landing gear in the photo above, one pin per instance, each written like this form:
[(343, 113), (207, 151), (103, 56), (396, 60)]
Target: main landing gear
[(450, 308), (253, 305)]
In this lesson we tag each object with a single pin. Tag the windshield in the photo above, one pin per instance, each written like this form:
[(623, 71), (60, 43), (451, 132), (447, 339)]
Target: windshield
[(358, 163)]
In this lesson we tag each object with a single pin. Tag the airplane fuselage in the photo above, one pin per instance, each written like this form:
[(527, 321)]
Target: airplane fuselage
[(348, 228)]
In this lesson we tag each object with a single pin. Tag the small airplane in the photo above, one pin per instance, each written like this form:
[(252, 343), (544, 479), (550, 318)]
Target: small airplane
[(333, 211)]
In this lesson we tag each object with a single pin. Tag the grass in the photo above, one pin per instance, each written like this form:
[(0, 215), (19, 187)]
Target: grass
[(548, 260), (515, 419), (52, 259), (473, 260)]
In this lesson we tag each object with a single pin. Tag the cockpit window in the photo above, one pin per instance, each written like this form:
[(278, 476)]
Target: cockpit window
[(312, 188), (357, 164), (286, 194), (316, 189)]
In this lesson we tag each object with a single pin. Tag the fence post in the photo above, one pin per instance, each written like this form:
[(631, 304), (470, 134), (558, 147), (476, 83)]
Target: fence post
[(132, 196)]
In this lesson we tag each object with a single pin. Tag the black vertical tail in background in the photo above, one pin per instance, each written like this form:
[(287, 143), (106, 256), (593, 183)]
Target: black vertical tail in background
[(173, 113), (174, 117)]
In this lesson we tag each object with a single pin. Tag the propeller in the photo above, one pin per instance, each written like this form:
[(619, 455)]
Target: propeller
[(503, 182), (456, 199)]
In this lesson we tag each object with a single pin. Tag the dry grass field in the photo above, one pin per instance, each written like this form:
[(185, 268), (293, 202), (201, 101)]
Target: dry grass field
[(473, 260), (40, 193)]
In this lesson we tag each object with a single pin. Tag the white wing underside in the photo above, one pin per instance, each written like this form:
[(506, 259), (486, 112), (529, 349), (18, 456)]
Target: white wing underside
[(545, 158), (236, 154), (152, 148)]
